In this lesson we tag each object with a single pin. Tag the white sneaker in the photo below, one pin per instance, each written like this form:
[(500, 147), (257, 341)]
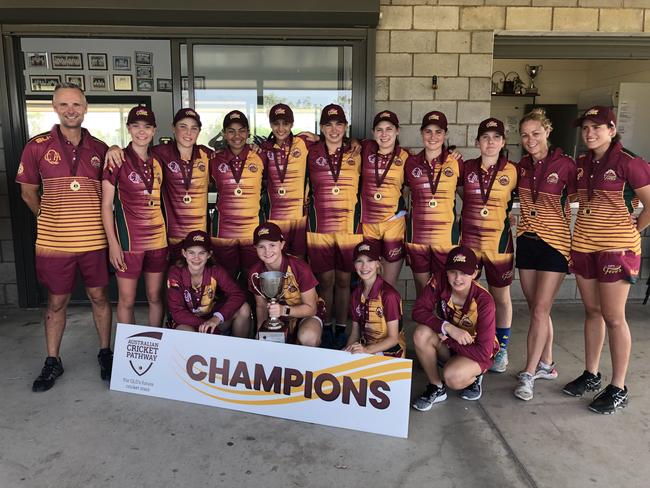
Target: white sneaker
[(543, 373), (524, 390), (500, 361)]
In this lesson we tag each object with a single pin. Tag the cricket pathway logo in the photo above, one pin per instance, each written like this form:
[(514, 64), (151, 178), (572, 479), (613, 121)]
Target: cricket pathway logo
[(142, 351)]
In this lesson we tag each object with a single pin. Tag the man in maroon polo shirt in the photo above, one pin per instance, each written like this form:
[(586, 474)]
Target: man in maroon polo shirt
[(67, 161)]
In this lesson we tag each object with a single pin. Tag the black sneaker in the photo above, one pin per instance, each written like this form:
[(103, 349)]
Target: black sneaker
[(105, 359), (52, 369), (609, 400), (583, 383), (474, 391), (432, 394)]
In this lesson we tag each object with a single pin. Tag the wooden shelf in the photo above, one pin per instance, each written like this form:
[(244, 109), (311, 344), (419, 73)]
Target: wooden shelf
[(525, 95)]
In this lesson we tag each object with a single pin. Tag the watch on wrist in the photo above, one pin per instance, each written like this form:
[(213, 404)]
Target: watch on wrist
[(287, 310)]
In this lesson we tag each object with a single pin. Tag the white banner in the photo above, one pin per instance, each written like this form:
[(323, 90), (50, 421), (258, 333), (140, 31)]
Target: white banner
[(361, 392)]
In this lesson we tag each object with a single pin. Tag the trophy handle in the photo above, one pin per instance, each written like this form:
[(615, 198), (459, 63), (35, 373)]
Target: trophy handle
[(253, 276)]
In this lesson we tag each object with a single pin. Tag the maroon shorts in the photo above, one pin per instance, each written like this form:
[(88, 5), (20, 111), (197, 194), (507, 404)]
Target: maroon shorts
[(390, 235), (606, 266), (174, 249), (423, 258), (499, 267), (234, 254), (57, 270), (329, 252), (137, 262), (295, 235)]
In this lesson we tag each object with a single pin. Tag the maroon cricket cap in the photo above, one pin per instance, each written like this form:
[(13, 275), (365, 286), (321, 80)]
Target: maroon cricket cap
[(332, 112), (268, 231), (186, 113), (233, 117), (197, 238), (367, 248), (386, 116), (461, 258), (140, 112), (434, 118), (281, 112), (600, 115), (491, 125)]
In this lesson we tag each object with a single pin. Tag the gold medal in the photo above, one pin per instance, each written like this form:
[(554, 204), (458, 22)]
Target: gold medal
[(238, 192), (75, 186), (433, 203), (336, 190), (586, 211), (533, 213), (187, 199), (151, 203), (282, 191), (377, 196), (485, 212)]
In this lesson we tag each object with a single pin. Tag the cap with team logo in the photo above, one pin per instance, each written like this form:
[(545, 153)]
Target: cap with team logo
[(281, 112), (186, 113), (268, 231), (235, 117), (600, 115), (197, 238), (434, 118), (367, 248), (141, 113), (461, 258), (332, 113), (386, 116), (491, 125)]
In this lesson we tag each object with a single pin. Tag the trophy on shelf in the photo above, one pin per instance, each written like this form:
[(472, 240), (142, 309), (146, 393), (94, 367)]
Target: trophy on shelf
[(533, 71), (271, 285)]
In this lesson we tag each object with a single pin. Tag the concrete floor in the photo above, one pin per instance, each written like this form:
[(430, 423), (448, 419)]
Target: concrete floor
[(80, 434)]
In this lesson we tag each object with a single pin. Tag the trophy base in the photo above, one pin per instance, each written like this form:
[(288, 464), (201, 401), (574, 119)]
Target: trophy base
[(273, 335), (532, 91)]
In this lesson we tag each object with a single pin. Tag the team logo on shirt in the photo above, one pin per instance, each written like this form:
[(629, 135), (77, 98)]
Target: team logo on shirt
[(448, 172), (201, 167), (612, 269), (610, 175), (398, 162), (40, 140), (134, 178), (321, 161), (187, 296), (504, 180), (210, 292), (95, 161), (173, 167), (296, 153), (466, 322), (580, 172), (52, 157), (351, 161), (472, 178), (358, 310), (270, 155), (21, 168), (379, 312), (372, 158), (417, 172), (223, 168), (522, 171), (553, 178), (292, 289), (252, 168)]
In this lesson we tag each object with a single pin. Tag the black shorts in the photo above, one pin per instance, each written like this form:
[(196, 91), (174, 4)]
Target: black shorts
[(534, 253)]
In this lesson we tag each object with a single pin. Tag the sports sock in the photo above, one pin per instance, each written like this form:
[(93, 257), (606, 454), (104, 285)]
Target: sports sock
[(503, 336)]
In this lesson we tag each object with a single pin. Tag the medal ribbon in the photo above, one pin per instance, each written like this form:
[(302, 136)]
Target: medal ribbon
[(485, 194), (237, 171), (379, 179), (145, 171), (64, 141), (187, 167), (335, 163), (283, 164), (592, 174), (433, 185), (537, 182)]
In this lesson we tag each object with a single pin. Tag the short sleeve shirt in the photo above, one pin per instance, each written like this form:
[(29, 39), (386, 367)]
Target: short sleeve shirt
[(70, 218)]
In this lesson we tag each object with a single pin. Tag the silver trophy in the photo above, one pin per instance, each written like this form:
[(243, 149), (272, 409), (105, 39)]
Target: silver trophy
[(533, 71), (271, 286)]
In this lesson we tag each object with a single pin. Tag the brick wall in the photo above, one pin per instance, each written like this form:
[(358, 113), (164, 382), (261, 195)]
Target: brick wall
[(8, 288), (454, 40)]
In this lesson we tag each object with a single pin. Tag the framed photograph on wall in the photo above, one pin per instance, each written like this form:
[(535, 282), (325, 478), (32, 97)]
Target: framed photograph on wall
[(199, 83), (97, 61), (144, 71), (122, 63), (43, 83), (145, 85), (67, 61), (98, 83), (122, 83), (76, 80), (36, 60), (142, 57), (164, 84)]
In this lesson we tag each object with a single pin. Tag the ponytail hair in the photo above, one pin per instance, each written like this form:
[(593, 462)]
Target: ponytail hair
[(538, 114)]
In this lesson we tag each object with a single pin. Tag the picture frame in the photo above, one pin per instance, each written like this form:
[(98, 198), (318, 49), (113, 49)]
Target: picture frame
[(144, 72), (122, 63), (67, 61), (36, 60), (44, 83), (98, 83), (164, 84), (78, 80), (143, 58), (97, 61), (122, 83), (145, 84), (199, 83)]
